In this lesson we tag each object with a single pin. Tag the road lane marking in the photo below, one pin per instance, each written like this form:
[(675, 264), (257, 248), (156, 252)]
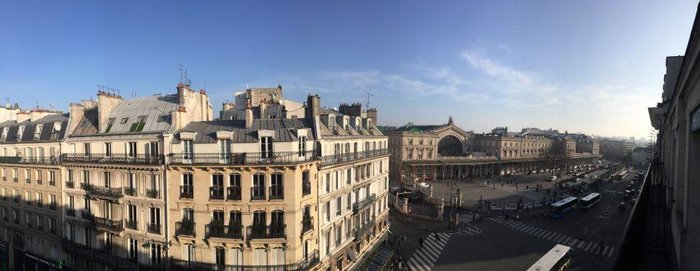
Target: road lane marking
[(610, 254)]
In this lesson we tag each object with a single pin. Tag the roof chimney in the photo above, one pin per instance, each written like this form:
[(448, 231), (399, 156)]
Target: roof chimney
[(313, 103), (248, 115)]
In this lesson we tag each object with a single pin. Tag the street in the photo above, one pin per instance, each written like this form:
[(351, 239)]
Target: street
[(495, 243)]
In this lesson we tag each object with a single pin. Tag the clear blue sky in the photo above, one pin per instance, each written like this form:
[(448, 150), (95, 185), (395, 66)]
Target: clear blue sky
[(581, 66)]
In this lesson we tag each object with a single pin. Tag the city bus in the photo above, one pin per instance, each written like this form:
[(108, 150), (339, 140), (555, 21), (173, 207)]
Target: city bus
[(560, 208), (557, 259), (589, 200)]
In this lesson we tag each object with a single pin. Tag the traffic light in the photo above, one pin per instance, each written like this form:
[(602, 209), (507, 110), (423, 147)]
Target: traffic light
[(60, 264)]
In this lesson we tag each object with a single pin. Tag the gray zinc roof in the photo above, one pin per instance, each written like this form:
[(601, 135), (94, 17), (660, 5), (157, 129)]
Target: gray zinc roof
[(285, 130)]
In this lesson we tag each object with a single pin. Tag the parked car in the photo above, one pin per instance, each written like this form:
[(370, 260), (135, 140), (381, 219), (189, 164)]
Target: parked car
[(623, 205), (424, 185)]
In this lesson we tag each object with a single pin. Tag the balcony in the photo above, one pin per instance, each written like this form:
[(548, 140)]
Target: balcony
[(216, 193), (52, 206), (70, 185), (100, 158), (277, 192), (154, 228), (257, 193), (52, 183), (233, 193), (131, 224), (40, 227), (130, 191), (87, 215), (106, 224), (307, 224), (219, 230), (15, 199), (647, 242), (39, 181), (308, 263), (104, 192), (39, 160), (357, 206), (185, 228), (364, 229), (266, 232), (70, 212), (102, 255), (353, 156), (153, 193), (28, 181), (250, 158), (186, 192)]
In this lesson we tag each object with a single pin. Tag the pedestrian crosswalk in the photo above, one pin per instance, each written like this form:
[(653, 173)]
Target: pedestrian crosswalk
[(469, 229), (573, 242), (425, 257), (612, 191)]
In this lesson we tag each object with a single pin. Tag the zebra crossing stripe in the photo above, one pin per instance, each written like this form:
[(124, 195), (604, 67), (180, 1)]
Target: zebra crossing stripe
[(536, 232), (561, 239), (532, 231), (581, 245), (420, 259), (520, 227), (412, 263), (605, 250), (588, 246), (432, 250), (610, 254), (551, 235), (573, 243)]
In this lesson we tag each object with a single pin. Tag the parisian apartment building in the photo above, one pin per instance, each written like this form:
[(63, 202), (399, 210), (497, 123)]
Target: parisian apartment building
[(156, 183)]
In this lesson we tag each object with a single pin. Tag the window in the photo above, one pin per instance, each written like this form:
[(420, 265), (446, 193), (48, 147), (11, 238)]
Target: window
[(107, 176), (108, 149), (216, 191), (327, 210), (189, 252), (349, 176), (224, 148), (338, 205), (156, 254), (52, 178), (277, 186), (302, 145), (187, 149), (132, 149), (138, 125), (338, 234), (132, 217), (220, 256), (86, 148), (20, 132), (266, 147), (154, 226), (163, 118), (3, 134), (234, 187), (236, 257), (187, 188), (110, 122), (37, 131), (349, 198), (328, 182), (86, 177), (133, 249), (124, 120), (258, 190)]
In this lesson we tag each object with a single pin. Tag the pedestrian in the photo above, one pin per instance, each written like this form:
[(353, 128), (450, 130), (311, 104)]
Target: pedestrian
[(420, 242), (437, 237), (602, 244)]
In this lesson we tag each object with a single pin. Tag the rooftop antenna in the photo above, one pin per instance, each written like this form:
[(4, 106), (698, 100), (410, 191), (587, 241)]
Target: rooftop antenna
[(368, 96), (184, 78)]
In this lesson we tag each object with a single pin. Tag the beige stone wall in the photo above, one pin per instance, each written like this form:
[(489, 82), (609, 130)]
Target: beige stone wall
[(292, 204)]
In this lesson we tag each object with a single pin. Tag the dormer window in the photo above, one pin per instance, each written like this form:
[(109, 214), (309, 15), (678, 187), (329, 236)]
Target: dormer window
[(138, 125), (37, 131), (110, 122), (3, 134), (56, 129), (20, 132), (124, 120), (302, 145)]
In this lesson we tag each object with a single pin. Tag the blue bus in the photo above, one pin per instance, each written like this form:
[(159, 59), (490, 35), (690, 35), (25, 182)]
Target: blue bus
[(560, 208)]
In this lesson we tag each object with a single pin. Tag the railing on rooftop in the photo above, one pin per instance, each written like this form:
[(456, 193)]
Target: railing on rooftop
[(352, 156), (647, 242), (101, 158), (249, 158), (311, 260)]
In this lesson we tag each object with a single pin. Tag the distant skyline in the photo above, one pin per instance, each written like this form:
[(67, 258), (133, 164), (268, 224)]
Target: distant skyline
[(577, 66)]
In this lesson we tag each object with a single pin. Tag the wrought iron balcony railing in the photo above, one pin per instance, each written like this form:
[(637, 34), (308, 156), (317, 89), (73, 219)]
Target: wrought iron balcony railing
[(105, 192), (153, 193), (185, 228), (233, 193), (42, 160), (101, 158), (70, 185), (70, 212), (219, 230), (307, 224), (257, 193), (363, 203), (249, 158), (353, 156), (186, 192), (364, 229), (131, 224), (277, 192), (130, 191), (265, 232), (216, 193), (154, 228), (115, 226)]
